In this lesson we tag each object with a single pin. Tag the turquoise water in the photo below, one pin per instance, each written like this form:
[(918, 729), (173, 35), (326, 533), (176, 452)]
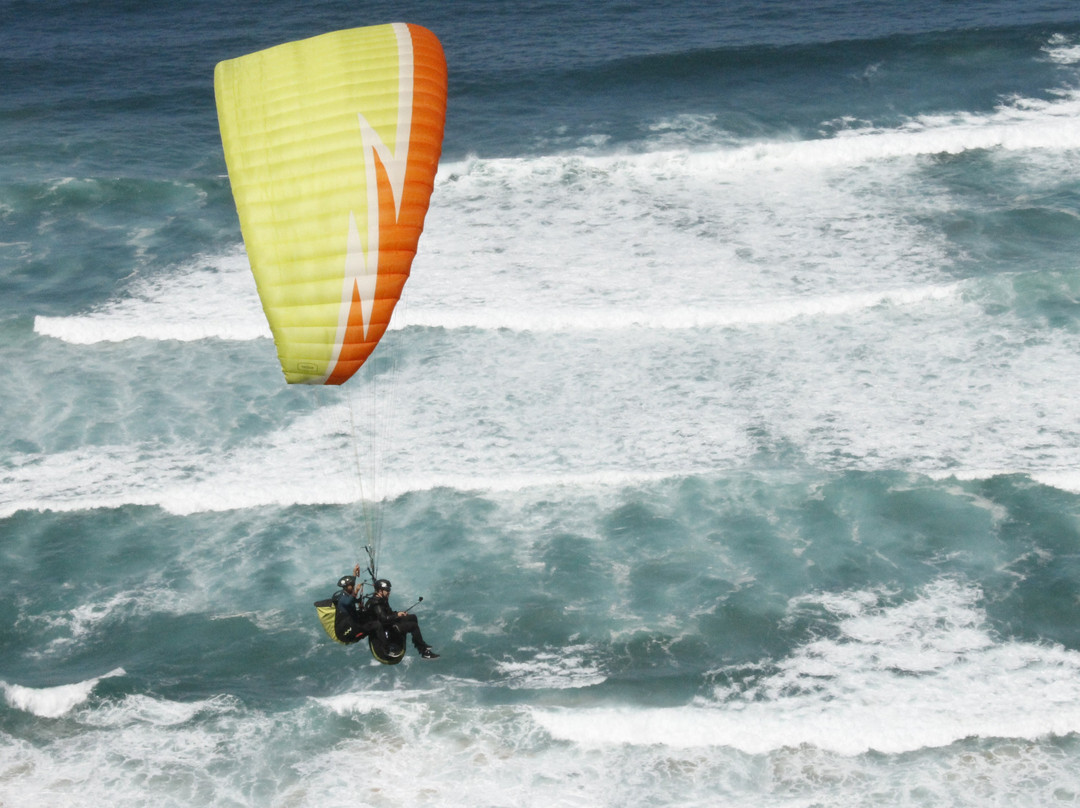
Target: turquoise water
[(728, 429)]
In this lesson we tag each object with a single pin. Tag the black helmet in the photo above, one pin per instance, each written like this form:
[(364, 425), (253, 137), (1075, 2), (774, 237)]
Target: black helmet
[(382, 583), (347, 580)]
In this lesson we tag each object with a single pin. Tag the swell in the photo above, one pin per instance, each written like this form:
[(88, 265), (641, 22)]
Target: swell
[(768, 90)]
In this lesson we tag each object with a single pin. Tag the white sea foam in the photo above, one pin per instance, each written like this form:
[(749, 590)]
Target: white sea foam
[(1067, 480), (146, 711), (77, 623), (784, 219), (210, 298), (237, 316), (898, 677), (52, 702), (868, 391), (406, 707), (922, 674), (86, 480), (217, 299), (146, 750), (566, 668), (919, 387), (113, 476), (1062, 50), (604, 319), (1023, 125), (133, 743)]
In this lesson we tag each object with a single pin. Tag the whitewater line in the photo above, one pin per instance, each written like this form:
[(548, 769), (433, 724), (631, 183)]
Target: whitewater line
[(110, 326), (677, 318), (228, 489)]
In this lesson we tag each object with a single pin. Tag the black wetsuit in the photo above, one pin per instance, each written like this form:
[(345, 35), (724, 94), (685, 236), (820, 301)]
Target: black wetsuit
[(378, 609), (352, 622)]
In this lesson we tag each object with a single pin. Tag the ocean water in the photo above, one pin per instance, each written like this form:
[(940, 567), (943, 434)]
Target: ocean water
[(728, 429)]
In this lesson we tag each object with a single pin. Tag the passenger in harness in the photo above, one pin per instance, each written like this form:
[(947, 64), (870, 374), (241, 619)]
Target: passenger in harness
[(351, 620)]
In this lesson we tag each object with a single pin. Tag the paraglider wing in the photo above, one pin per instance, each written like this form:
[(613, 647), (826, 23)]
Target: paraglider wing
[(332, 144)]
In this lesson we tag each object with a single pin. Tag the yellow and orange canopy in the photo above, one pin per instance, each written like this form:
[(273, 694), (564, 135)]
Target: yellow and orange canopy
[(332, 144)]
